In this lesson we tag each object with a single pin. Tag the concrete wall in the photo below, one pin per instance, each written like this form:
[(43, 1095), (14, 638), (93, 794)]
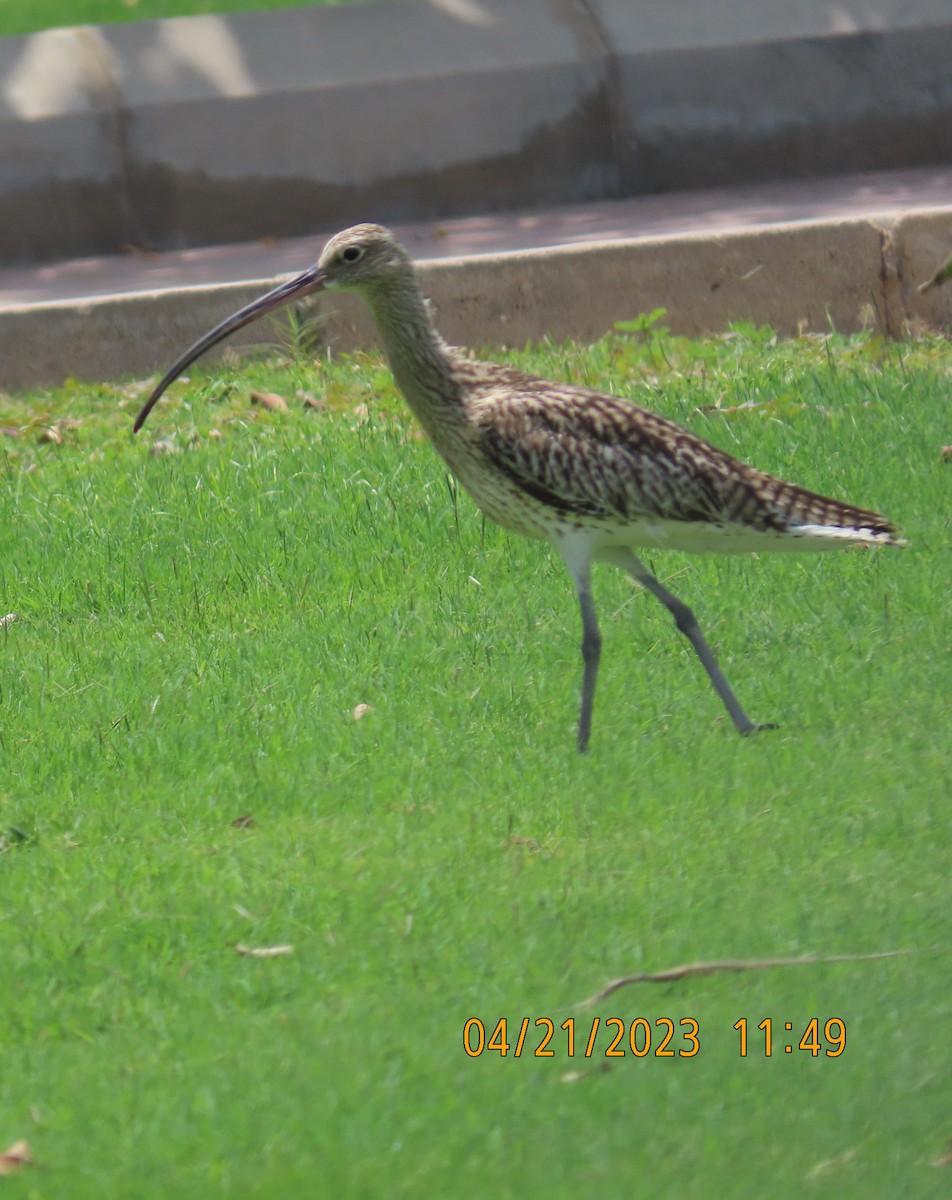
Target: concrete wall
[(844, 275), (216, 129)]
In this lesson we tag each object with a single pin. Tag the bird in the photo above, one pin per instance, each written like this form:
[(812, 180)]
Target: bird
[(595, 475)]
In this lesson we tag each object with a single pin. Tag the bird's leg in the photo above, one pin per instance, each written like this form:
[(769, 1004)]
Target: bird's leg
[(591, 649), (686, 622), (591, 652)]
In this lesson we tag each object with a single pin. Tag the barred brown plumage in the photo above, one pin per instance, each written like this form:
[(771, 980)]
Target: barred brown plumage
[(591, 473)]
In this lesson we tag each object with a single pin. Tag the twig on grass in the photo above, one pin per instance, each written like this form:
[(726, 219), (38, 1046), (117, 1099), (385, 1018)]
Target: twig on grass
[(673, 974), (263, 951)]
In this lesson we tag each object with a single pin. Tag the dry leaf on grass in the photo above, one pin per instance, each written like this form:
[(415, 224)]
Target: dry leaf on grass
[(946, 453), (829, 1165), (7, 620), (243, 822), (359, 711), (944, 1160), (15, 1158), (263, 951), (270, 400), (578, 1076)]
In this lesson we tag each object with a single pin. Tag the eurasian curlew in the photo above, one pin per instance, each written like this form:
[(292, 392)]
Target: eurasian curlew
[(593, 474)]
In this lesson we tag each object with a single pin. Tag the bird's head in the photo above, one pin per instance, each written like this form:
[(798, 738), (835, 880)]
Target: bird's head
[(361, 258)]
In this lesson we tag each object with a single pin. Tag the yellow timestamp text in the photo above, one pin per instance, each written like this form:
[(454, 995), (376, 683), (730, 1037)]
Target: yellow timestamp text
[(810, 1037), (611, 1037)]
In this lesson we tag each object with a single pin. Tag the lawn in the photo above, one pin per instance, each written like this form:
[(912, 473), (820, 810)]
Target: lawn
[(17, 17), (187, 775)]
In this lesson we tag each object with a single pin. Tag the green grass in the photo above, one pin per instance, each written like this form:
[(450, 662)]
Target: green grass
[(17, 17), (194, 629)]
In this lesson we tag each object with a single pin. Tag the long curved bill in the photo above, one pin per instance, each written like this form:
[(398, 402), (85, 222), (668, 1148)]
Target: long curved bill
[(311, 280)]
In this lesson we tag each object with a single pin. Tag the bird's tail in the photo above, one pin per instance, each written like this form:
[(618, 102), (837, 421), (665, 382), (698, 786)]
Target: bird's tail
[(810, 515)]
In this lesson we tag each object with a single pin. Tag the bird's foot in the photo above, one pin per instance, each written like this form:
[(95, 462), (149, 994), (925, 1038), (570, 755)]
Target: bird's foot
[(752, 729)]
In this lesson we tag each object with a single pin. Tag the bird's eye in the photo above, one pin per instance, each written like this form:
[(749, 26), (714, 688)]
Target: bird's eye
[(352, 254)]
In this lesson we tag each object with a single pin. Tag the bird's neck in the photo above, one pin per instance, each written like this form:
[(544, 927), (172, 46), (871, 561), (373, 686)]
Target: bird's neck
[(421, 362)]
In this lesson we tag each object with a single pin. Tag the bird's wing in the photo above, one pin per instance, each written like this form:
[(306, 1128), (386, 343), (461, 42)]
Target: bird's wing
[(590, 453)]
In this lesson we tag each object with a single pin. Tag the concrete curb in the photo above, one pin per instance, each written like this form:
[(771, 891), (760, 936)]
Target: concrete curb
[(813, 276), (213, 129)]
